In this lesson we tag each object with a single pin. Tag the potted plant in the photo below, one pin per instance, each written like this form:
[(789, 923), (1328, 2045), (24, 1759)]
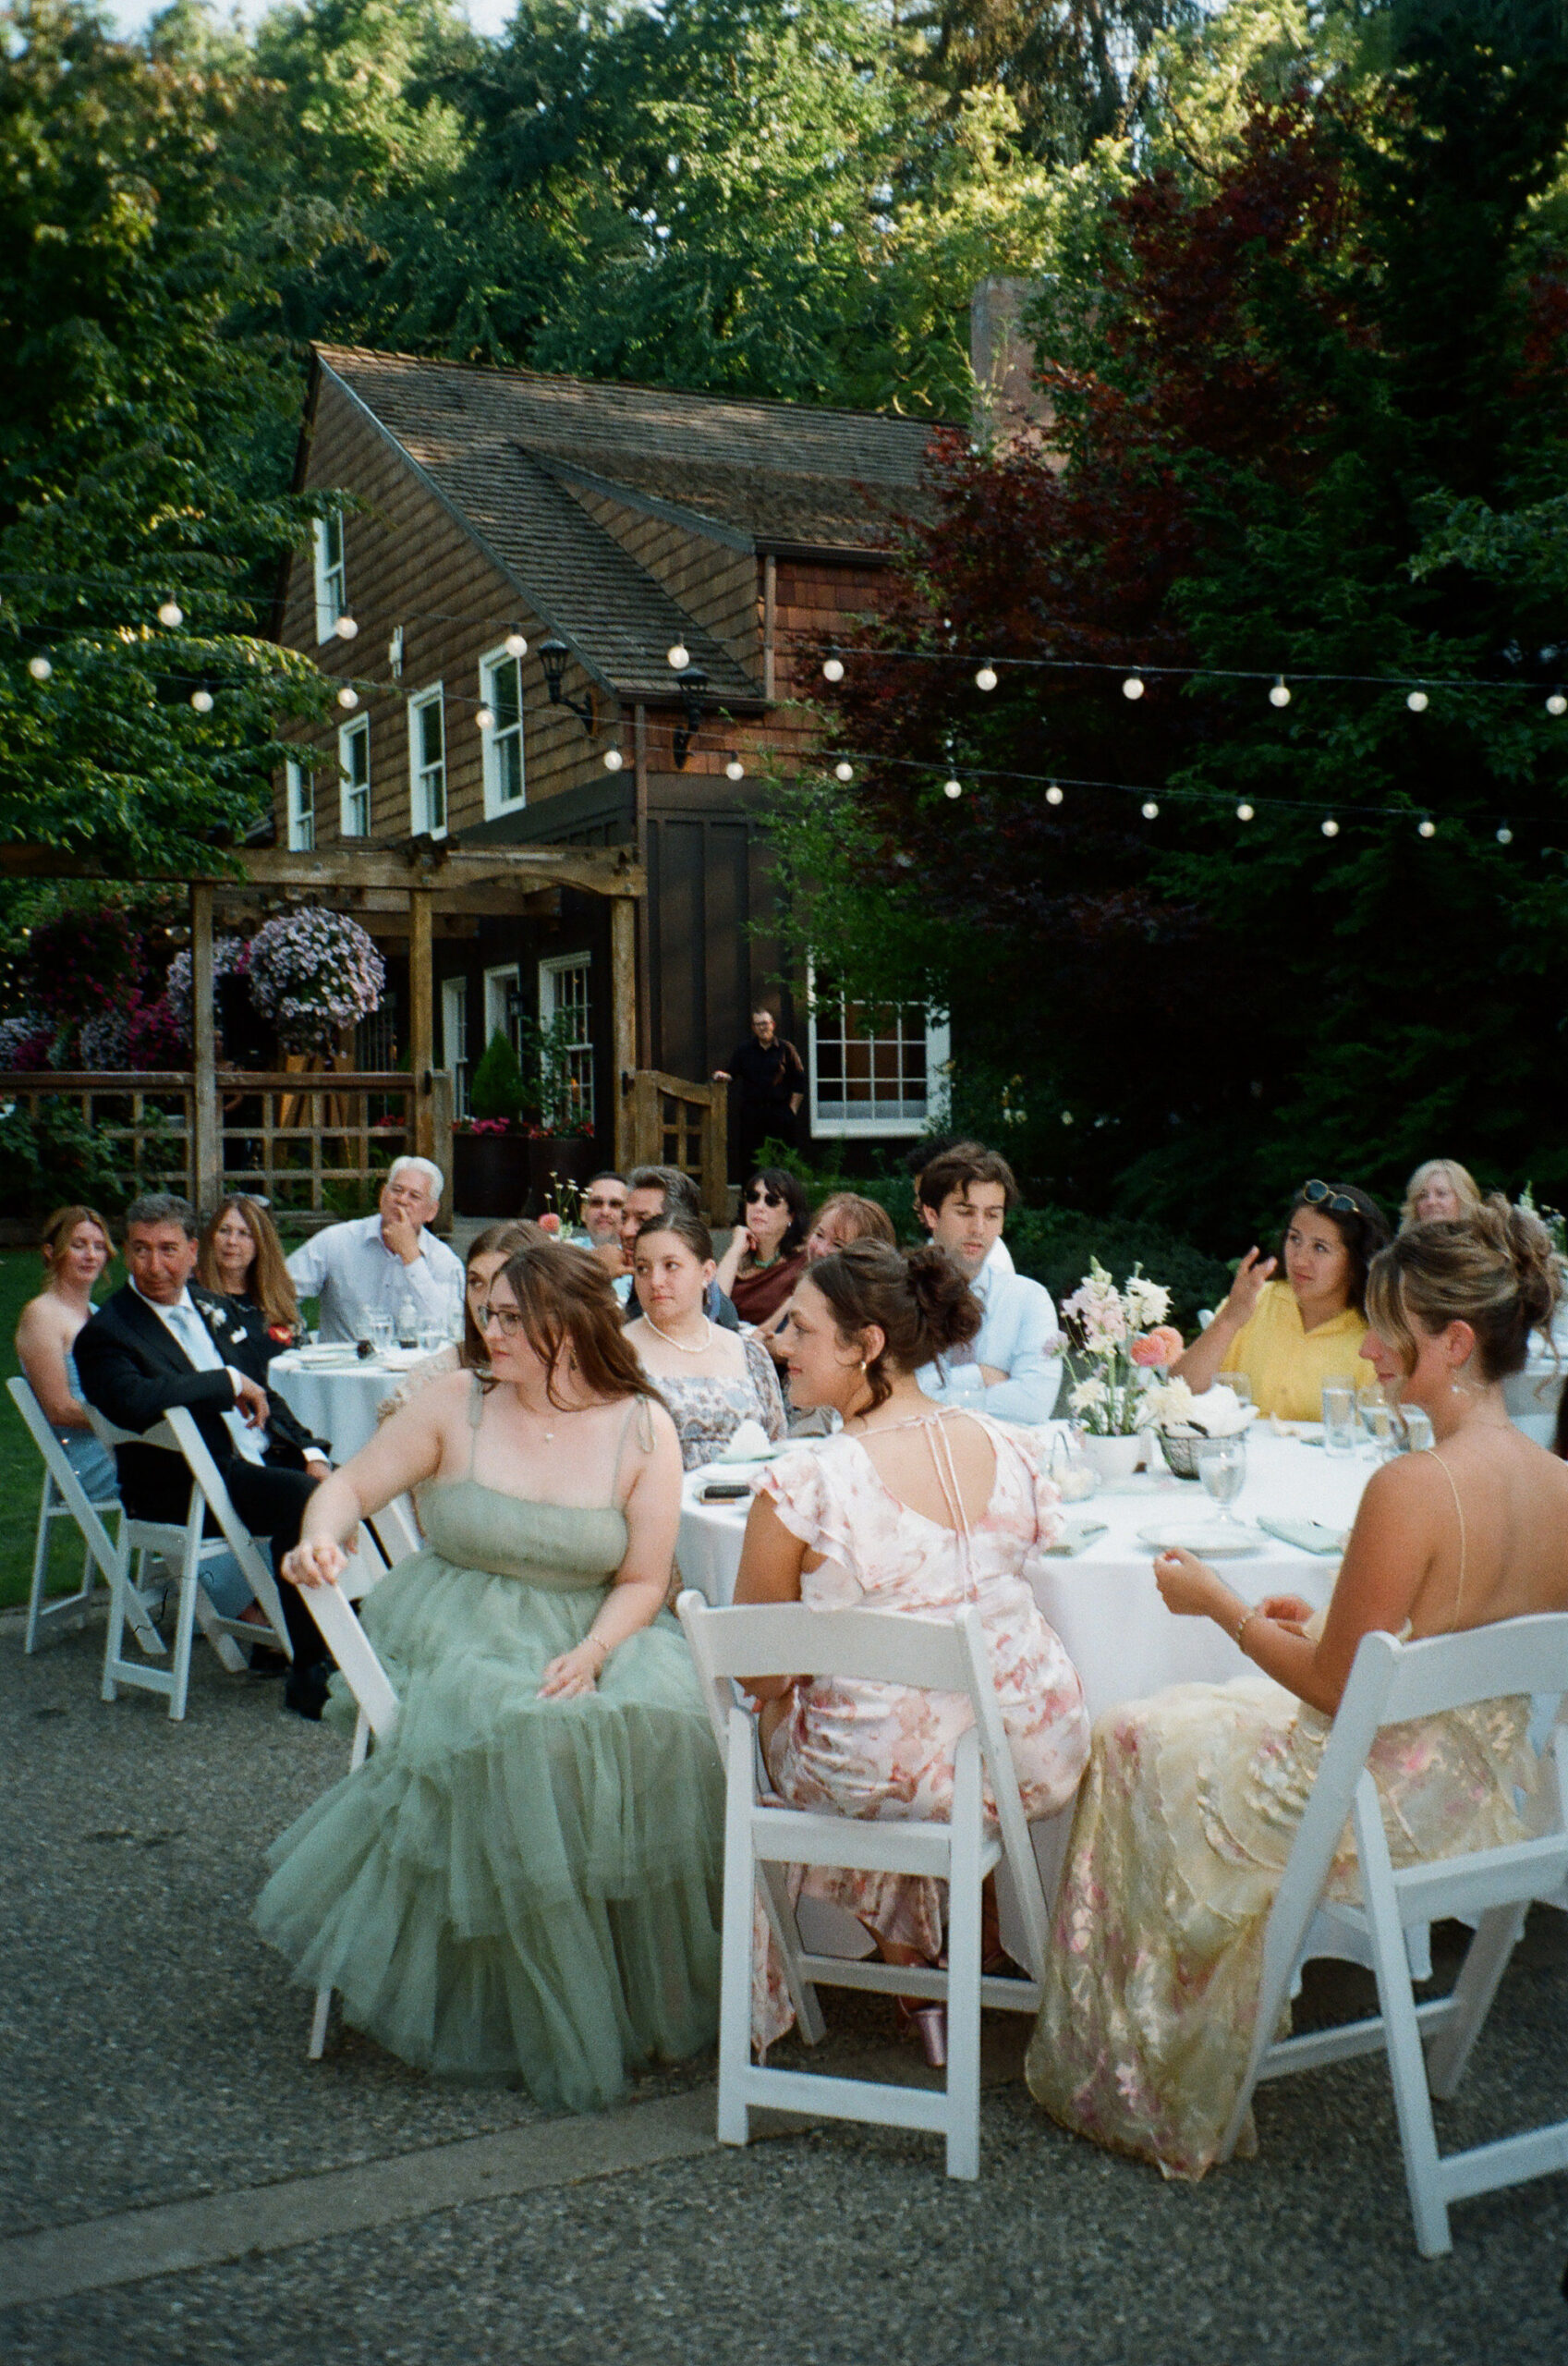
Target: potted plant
[(490, 1147), (1124, 1335), (312, 974)]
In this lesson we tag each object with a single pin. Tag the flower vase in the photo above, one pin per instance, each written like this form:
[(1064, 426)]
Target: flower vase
[(1112, 1459)]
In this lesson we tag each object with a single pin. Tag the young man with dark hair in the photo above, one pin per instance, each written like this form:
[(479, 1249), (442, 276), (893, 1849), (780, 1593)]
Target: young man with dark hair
[(1013, 1370)]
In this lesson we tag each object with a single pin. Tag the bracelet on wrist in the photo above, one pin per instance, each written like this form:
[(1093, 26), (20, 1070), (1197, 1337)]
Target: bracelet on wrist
[(1243, 1623), (597, 1643)]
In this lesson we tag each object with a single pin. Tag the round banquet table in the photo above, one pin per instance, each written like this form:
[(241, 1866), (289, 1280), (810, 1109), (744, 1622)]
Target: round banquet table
[(337, 1400)]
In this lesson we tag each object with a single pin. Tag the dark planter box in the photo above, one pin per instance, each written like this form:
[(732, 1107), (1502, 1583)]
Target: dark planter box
[(559, 1158), (489, 1174)]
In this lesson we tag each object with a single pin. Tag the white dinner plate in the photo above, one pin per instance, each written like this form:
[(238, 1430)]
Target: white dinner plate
[(1214, 1543), (325, 1357)]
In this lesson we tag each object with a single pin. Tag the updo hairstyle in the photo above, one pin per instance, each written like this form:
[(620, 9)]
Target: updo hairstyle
[(688, 1228), (1495, 1270), (918, 1299), (1364, 1233), (55, 1235)]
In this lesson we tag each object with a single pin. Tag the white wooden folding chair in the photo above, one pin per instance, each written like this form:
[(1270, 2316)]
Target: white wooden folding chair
[(183, 1544), (763, 1837), (65, 1497), (1491, 1888)]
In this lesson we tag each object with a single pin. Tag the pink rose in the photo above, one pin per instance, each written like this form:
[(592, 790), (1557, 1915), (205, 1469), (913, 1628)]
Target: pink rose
[(551, 1223), (1156, 1348)]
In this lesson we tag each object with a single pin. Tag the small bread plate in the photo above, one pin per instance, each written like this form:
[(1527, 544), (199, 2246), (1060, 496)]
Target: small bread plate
[(1214, 1543)]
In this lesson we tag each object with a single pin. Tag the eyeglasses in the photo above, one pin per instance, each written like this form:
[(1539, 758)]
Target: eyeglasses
[(505, 1319), (763, 1197), (1323, 1195)]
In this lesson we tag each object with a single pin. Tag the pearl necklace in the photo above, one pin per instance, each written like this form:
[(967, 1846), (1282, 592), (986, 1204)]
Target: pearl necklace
[(679, 1345)]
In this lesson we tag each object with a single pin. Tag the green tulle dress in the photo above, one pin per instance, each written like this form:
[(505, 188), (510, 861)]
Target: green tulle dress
[(514, 1888)]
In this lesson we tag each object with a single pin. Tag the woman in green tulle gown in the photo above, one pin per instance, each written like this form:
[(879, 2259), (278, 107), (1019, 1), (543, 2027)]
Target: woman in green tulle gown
[(524, 1882)]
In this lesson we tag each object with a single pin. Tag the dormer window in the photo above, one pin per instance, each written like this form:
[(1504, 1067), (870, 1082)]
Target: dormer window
[(331, 590)]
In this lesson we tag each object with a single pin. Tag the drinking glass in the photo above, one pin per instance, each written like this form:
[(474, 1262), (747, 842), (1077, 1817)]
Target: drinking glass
[(1221, 1465), (1339, 1416), (1238, 1384), (381, 1333), (1417, 1429), (432, 1335), (1376, 1419)]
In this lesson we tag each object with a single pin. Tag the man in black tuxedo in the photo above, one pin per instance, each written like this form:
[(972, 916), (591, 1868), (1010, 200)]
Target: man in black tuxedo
[(160, 1342)]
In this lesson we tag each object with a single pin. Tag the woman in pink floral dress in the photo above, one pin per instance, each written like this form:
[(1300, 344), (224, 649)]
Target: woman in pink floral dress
[(912, 1506)]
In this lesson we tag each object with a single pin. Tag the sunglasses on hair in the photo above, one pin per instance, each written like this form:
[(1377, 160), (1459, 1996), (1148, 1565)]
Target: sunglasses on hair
[(759, 1195), (1323, 1195)]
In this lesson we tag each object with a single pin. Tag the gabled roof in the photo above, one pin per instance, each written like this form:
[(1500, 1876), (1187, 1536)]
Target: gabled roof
[(503, 448)]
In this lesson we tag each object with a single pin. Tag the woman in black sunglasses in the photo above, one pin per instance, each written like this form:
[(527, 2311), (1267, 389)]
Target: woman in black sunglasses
[(767, 1254), (1288, 1336)]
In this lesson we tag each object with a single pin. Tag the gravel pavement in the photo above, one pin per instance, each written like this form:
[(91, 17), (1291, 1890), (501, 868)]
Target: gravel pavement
[(355, 2210)]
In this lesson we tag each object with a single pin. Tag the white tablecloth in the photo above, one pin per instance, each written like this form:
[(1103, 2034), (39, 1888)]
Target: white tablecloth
[(1103, 1603), (337, 1401)]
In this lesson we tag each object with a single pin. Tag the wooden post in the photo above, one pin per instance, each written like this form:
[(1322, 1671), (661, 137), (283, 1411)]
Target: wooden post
[(644, 921), (421, 1019), (770, 626), (715, 1154), (206, 1140), (440, 1140), (623, 1018)]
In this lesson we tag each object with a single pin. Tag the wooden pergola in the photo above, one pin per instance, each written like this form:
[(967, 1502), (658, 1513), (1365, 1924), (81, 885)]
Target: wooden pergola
[(428, 885)]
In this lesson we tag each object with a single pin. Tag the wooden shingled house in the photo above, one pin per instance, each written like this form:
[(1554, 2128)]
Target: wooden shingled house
[(604, 526)]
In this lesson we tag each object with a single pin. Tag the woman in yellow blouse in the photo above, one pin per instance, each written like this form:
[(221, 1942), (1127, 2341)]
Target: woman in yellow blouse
[(1290, 1336)]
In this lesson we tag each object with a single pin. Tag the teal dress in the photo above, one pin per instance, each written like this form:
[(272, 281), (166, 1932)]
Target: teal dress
[(510, 1888)]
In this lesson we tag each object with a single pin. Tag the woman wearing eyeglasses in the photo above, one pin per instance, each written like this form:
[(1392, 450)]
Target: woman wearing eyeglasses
[(767, 1252), (522, 1881), (1290, 1334)]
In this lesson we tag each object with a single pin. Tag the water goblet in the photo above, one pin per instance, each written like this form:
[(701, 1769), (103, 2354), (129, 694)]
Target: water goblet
[(1221, 1465)]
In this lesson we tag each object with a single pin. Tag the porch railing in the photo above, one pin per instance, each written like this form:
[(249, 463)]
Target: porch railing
[(673, 1122)]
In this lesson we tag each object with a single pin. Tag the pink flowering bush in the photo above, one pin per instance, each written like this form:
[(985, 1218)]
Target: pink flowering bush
[(312, 974)]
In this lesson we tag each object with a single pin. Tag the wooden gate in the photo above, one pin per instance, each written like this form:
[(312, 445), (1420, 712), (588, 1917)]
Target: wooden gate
[(671, 1122)]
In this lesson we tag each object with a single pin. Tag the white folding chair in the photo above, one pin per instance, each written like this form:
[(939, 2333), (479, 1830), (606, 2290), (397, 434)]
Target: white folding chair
[(1491, 1888), (65, 1497), (182, 1544), (763, 1837), (332, 1607)]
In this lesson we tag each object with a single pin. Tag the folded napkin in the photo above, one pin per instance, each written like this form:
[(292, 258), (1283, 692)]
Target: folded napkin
[(1075, 1534), (749, 1443), (1309, 1534)]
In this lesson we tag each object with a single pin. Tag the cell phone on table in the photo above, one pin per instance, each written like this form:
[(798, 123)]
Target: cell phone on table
[(725, 1491)]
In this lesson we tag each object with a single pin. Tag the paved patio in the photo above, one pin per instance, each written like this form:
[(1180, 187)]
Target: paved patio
[(181, 2185)]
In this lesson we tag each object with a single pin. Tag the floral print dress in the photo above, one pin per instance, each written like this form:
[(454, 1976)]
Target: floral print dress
[(707, 1412), (886, 1750)]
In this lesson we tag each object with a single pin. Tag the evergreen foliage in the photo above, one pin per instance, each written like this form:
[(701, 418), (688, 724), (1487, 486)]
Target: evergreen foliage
[(496, 1089)]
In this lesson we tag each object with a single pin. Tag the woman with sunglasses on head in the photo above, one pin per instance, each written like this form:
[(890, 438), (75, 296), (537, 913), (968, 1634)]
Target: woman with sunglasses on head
[(523, 1881), (1288, 1337), (767, 1252)]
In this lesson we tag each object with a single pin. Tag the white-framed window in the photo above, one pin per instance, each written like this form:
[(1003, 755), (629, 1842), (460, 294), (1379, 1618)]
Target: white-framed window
[(299, 790), (501, 1004), (427, 762), (564, 994), (875, 1071), (500, 690), (454, 1040), (331, 584), (354, 768)]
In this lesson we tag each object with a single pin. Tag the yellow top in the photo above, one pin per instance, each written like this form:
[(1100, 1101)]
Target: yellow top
[(1287, 1365)]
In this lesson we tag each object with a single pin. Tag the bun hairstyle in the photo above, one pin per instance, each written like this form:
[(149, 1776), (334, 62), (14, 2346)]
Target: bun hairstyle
[(918, 1299), (688, 1228), (1364, 1233), (1496, 1270)]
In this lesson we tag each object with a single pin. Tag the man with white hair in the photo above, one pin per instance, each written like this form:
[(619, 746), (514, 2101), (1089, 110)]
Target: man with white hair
[(372, 1264)]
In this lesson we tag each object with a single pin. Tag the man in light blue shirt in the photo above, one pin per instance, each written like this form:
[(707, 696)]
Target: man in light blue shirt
[(1013, 1370), (372, 1266)]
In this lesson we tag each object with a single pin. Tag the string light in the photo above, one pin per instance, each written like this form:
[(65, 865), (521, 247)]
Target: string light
[(1330, 828), (39, 668), (986, 678), (1505, 836), (516, 644), (1053, 795), (1133, 686), (1151, 809), (170, 613), (1427, 828), (485, 719), (1243, 812), (843, 769), (613, 760), (678, 655), (1557, 704), (952, 789), (202, 701), (1280, 694), (1417, 701), (345, 628), (832, 669), (347, 698), (734, 768)]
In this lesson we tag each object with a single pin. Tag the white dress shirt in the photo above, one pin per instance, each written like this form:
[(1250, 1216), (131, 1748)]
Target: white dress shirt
[(187, 1327), (354, 1271)]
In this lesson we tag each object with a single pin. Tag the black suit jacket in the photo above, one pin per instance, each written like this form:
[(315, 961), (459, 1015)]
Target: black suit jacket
[(133, 1367)]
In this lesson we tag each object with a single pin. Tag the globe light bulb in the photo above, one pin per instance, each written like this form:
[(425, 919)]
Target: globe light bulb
[(1417, 701), (1557, 704), (347, 698), (170, 613), (613, 760), (1150, 810), (1425, 829), (832, 669), (1243, 812), (679, 656), (202, 701), (986, 678), (1330, 828), (1280, 694), (516, 644), (844, 770), (345, 628), (485, 719), (1505, 836), (1067, 1116), (952, 789), (39, 668), (1053, 795), (734, 769), (1133, 686)]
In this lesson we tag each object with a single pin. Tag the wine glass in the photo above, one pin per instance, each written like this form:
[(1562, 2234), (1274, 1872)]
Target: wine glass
[(1221, 1465)]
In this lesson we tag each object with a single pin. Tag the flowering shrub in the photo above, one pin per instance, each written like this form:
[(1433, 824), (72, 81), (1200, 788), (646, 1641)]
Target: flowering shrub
[(313, 973), (1125, 1333), (25, 1041), (231, 959)]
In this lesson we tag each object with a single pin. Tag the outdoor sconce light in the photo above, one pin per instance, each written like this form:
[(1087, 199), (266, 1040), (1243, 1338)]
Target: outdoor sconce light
[(694, 681), (553, 657)]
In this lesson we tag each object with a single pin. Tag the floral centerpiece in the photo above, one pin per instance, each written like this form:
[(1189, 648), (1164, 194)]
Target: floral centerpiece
[(1183, 1419), (313, 973), (1125, 1335)]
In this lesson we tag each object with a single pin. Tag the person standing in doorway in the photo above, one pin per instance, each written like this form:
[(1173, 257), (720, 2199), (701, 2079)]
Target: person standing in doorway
[(768, 1078)]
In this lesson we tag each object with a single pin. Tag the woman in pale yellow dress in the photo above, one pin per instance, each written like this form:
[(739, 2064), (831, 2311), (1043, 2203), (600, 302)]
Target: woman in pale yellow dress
[(1191, 1802)]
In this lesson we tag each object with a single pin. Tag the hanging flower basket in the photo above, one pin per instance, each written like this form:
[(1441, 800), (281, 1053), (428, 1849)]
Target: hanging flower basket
[(313, 973)]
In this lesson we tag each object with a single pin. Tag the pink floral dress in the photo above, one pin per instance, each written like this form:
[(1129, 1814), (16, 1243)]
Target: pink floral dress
[(882, 1750)]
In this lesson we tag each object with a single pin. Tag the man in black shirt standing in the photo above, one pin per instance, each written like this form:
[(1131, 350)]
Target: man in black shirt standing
[(770, 1084)]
